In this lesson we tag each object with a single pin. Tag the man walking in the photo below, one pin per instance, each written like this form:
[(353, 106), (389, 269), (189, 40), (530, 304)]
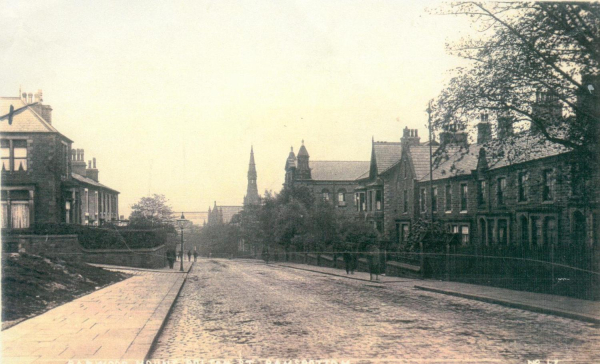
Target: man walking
[(374, 262), (195, 255), (189, 255), (348, 261)]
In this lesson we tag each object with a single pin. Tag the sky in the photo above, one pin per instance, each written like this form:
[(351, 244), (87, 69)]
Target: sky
[(169, 96)]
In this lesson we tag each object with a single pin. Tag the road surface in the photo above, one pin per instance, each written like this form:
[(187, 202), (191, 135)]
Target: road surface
[(232, 309)]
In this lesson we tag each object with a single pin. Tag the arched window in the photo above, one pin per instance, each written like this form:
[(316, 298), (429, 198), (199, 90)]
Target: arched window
[(550, 233), (524, 226), (578, 228), (325, 195)]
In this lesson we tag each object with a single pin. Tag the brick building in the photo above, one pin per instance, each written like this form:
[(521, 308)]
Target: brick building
[(39, 184), (329, 180)]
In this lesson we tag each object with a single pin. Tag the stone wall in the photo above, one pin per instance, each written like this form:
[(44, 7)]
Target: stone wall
[(67, 247)]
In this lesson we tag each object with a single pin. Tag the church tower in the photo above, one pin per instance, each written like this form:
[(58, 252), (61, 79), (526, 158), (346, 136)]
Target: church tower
[(303, 169), (252, 197)]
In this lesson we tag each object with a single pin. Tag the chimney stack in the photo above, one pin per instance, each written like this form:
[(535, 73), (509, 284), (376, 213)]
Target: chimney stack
[(484, 129), (78, 165), (452, 135), (92, 172), (410, 137)]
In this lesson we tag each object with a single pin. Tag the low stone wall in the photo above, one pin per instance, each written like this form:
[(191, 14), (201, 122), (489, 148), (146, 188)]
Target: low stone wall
[(138, 258), (61, 246), (397, 269), (67, 247)]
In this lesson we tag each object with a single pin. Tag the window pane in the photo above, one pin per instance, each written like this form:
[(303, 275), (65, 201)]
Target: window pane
[(5, 152), (4, 215), (20, 164), (20, 152), (20, 215)]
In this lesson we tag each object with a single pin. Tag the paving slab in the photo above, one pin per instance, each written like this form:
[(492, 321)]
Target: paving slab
[(573, 308), (119, 322), (583, 310)]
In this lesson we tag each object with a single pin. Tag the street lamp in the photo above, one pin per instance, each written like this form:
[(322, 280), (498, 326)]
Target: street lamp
[(180, 222)]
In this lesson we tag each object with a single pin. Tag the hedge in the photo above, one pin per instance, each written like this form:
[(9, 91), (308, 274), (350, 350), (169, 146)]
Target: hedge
[(91, 237)]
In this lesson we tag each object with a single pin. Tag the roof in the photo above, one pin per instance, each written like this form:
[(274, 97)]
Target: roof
[(229, 211), (419, 155), (520, 148), (386, 154), (89, 181), (25, 118), (338, 170), (303, 152), (454, 161)]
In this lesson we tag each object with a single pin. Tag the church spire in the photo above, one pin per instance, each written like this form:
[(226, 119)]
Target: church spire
[(252, 197)]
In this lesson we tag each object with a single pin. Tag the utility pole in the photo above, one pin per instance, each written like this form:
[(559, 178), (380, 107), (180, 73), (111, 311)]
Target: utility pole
[(430, 163)]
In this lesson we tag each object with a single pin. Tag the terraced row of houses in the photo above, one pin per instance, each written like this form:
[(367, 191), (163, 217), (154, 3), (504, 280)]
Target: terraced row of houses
[(505, 188)]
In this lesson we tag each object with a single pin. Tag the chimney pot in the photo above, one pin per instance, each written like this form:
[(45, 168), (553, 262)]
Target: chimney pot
[(89, 164), (94, 159)]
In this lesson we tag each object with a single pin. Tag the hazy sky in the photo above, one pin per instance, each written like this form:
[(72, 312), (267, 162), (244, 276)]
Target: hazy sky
[(169, 96)]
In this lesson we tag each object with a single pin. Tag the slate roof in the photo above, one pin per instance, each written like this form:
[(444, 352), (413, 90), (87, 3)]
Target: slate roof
[(229, 211), (90, 181), (387, 154), (420, 158), (25, 119), (338, 170), (520, 148), (453, 161)]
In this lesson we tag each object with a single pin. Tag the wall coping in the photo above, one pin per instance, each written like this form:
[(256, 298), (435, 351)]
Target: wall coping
[(122, 250), (41, 236)]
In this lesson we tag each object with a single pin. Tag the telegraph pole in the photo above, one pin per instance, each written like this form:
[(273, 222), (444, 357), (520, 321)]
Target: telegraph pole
[(430, 162)]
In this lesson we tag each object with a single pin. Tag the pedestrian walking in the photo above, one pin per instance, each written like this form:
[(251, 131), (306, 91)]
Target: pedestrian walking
[(348, 263), (195, 255), (374, 262), (181, 255), (189, 255), (171, 257)]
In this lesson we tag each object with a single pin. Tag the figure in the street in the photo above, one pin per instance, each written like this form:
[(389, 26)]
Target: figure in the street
[(348, 261), (171, 257), (181, 255), (195, 255), (374, 262), (189, 255)]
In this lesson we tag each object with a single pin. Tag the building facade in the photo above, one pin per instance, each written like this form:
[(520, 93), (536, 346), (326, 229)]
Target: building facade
[(333, 181), (38, 181)]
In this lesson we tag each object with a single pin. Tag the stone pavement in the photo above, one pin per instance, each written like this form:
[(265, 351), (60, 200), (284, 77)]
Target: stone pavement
[(186, 267), (568, 307), (360, 276), (119, 322)]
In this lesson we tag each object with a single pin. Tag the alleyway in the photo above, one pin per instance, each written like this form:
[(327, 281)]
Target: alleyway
[(232, 309)]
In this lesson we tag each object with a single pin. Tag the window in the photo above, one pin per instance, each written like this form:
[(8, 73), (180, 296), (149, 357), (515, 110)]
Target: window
[(325, 195), (464, 234), (15, 209), (454, 229), (502, 232), (463, 197), (536, 231), (550, 233), (342, 198), (14, 154), (378, 200), (405, 232), (356, 202), (524, 231), (370, 200), (362, 202), (500, 190), (481, 196), (448, 198), (434, 199), (522, 186), (548, 188), (405, 201), (422, 202)]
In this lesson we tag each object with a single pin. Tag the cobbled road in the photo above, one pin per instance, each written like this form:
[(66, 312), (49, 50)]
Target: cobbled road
[(232, 309)]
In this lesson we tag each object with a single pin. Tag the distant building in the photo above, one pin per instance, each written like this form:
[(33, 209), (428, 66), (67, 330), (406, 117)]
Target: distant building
[(222, 214), (333, 181), (42, 179), (252, 197)]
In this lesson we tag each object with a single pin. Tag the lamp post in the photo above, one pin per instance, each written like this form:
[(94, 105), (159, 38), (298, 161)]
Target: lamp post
[(181, 221)]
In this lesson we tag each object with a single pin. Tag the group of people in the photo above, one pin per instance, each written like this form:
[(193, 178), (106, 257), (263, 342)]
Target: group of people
[(373, 259), (172, 256)]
